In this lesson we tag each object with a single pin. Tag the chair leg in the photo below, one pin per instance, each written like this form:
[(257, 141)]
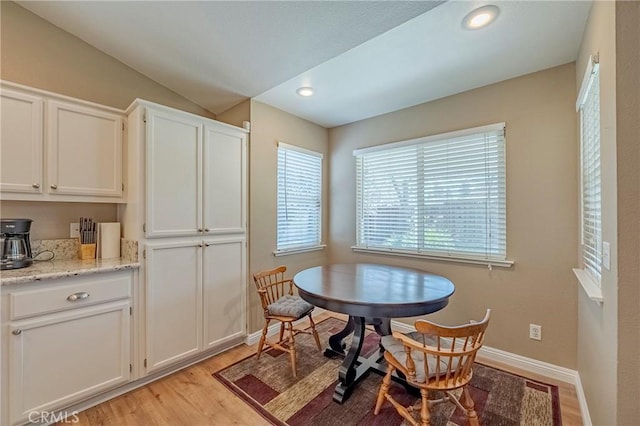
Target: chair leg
[(425, 416), (281, 332), (315, 333), (292, 349), (263, 338), (384, 388), (468, 404)]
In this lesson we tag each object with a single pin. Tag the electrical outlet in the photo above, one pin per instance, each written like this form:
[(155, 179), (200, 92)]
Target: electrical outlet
[(74, 230), (535, 332)]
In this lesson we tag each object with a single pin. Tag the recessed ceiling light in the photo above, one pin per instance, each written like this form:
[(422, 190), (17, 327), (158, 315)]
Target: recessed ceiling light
[(481, 17), (305, 91)]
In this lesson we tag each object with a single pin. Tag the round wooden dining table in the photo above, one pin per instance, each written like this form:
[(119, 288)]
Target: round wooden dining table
[(369, 294)]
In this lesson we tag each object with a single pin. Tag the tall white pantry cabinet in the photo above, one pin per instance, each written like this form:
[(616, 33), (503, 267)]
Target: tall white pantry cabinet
[(187, 207)]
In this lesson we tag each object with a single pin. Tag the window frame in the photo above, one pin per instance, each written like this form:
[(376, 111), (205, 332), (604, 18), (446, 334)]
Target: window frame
[(310, 246), (589, 275), (423, 252)]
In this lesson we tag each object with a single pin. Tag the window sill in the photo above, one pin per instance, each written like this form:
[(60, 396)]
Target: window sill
[(489, 263), (589, 286), (287, 252)]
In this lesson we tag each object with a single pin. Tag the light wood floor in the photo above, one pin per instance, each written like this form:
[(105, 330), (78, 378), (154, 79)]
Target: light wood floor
[(193, 397)]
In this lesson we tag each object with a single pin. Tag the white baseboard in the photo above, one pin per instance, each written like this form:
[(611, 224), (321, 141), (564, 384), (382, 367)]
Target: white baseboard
[(529, 365)]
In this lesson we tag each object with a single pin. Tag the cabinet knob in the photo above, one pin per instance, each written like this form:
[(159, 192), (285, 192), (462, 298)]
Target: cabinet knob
[(36, 185), (78, 296), (54, 186), (199, 230), (16, 332), (206, 229)]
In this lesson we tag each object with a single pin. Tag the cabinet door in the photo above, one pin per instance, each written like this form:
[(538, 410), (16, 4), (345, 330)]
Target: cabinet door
[(174, 175), (84, 151), (21, 143), (56, 360), (224, 284), (174, 302), (225, 180)]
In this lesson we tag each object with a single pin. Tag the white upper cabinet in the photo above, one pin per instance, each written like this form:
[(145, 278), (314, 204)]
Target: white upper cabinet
[(21, 142), (174, 175), (84, 150), (196, 172), (224, 180), (55, 148)]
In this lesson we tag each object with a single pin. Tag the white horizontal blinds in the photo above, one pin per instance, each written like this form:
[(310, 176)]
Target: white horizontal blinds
[(299, 198), (387, 202), (591, 187), (442, 197)]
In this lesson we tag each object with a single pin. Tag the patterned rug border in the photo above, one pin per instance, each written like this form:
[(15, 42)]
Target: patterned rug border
[(555, 400), (248, 398)]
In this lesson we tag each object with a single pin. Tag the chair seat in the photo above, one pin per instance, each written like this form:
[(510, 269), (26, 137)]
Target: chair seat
[(290, 306), (396, 348)]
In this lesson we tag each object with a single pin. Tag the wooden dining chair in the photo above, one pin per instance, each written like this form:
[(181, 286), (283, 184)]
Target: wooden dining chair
[(280, 304), (433, 358)]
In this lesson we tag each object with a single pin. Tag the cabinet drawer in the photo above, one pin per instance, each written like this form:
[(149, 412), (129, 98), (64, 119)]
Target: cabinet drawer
[(69, 294)]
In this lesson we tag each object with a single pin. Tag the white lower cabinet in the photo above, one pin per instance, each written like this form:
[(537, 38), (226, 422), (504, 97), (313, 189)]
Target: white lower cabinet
[(63, 342), (61, 359), (224, 290), (195, 298), (173, 289)]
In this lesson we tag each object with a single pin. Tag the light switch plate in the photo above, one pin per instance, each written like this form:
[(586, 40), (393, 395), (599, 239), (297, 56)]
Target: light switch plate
[(74, 230), (606, 255)]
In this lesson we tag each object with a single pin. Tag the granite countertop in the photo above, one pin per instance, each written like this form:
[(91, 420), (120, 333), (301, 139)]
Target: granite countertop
[(54, 269)]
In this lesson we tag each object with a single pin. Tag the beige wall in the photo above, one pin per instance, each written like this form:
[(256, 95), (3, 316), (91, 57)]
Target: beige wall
[(51, 220), (598, 324), (269, 126), (237, 114), (38, 54), (542, 191), (628, 178)]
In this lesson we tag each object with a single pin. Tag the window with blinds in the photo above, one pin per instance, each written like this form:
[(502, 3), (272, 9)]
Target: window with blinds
[(299, 198), (442, 195), (589, 106)]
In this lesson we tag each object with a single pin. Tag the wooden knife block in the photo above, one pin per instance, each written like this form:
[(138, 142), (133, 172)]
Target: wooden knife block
[(86, 251)]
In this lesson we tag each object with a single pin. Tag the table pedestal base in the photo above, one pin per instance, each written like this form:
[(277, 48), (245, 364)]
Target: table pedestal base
[(354, 367)]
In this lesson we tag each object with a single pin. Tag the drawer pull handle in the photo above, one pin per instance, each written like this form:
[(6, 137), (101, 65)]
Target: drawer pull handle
[(16, 332), (78, 296), (54, 186), (36, 185)]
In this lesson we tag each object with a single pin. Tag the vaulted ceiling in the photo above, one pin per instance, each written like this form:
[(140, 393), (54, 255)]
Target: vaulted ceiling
[(362, 58)]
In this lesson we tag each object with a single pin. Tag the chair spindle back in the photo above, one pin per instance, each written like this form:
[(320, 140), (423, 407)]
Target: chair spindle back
[(272, 285), (454, 352)]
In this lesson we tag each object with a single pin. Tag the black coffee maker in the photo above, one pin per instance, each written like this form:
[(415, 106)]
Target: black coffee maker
[(15, 244)]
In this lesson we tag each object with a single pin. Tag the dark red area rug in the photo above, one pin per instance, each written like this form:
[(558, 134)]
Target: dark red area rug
[(267, 384)]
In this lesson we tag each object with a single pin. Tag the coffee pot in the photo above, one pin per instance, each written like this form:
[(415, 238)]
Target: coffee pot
[(15, 246)]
